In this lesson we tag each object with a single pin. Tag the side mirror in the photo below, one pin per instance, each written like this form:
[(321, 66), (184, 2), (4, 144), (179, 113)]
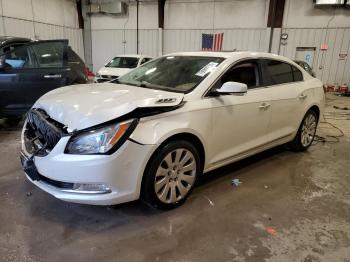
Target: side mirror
[(233, 88)]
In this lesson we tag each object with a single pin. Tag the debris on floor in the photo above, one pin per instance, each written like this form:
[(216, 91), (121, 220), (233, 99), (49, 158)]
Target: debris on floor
[(235, 182), (266, 187), (29, 194), (271, 231), (210, 202)]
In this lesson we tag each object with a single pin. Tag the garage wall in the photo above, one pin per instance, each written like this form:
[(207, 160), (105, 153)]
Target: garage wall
[(107, 44), (42, 19), (115, 35), (185, 21), (311, 27), (327, 65), (256, 39), (244, 24)]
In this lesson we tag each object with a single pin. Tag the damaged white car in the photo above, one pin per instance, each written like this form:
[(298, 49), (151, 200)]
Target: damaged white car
[(155, 130)]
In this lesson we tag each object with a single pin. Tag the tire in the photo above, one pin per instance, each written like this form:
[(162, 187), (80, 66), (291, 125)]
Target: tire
[(306, 132), (171, 174)]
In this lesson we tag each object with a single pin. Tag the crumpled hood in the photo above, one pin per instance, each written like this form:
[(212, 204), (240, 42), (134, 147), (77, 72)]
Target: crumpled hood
[(82, 106)]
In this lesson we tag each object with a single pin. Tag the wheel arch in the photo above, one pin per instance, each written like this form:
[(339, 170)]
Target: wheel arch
[(187, 136), (316, 109)]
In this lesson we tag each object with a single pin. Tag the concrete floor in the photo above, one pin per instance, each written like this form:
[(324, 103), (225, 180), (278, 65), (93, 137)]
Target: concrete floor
[(302, 199)]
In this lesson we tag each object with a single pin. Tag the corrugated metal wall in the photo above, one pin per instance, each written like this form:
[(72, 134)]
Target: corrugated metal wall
[(327, 65), (254, 39), (108, 43), (26, 28)]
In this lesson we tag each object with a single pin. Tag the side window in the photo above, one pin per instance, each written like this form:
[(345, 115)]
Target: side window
[(73, 58), (49, 54), (297, 74), (277, 72), (9, 48), (246, 72), (20, 57), (146, 59)]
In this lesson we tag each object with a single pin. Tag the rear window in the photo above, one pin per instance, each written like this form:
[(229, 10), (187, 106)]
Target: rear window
[(297, 74), (49, 54), (278, 72), (73, 57)]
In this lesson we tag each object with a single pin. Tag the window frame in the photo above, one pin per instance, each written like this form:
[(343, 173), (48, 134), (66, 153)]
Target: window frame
[(264, 72), (33, 56), (64, 55), (30, 54), (258, 62)]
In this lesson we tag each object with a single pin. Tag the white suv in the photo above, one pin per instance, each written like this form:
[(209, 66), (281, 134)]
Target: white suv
[(155, 130)]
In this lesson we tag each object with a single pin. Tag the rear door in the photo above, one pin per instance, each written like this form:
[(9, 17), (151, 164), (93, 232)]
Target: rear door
[(284, 83), (52, 69), (31, 71)]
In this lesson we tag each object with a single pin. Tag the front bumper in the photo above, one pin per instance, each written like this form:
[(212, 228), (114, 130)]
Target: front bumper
[(122, 172)]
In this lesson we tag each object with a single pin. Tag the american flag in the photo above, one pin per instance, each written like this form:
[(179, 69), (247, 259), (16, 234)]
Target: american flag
[(212, 42)]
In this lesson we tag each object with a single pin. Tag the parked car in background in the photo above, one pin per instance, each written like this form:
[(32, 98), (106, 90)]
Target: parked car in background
[(119, 66), (8, 43), (152, 132), (33, 69), (306, 67)]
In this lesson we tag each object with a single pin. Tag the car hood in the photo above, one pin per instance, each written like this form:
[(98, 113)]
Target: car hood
[(83, 106), (113, 71)]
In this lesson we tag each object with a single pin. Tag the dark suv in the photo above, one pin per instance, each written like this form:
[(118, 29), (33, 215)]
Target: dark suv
[(34, 68)]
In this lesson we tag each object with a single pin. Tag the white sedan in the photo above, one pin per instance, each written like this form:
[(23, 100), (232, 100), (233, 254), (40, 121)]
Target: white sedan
[(154, 131), (118, 66)]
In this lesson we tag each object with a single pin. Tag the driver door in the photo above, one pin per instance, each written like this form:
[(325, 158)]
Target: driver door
[(240, 121)]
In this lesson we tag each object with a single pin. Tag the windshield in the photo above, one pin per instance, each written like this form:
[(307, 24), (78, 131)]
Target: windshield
[(123, 62), (172, 73)]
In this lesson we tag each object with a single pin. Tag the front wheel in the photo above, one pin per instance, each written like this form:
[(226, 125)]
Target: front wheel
[(306, 132), (171, 175)]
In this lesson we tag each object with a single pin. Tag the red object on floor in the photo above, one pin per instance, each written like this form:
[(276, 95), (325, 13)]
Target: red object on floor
[(271, 231), (343, 89)]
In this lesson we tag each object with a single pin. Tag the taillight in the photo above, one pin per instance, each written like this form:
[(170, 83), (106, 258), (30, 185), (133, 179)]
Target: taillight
[(87, 72)]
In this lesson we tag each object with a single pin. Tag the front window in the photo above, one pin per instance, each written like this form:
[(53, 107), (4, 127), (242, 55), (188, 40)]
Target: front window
[(172, 73), (123, 62)]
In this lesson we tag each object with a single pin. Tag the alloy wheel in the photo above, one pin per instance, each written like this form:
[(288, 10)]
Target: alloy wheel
[(175, 176), (308, 130)]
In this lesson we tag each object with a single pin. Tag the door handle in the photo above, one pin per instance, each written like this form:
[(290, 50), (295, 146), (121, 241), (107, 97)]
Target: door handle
[(53, 76), (264, 106), (302, 96)]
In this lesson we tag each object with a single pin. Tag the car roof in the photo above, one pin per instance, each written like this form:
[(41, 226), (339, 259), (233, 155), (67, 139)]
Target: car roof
[(10, 39), (133, 55), (233, 54)]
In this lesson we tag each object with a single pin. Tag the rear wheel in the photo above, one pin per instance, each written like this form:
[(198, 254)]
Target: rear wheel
[(306, 132), (171, 175)]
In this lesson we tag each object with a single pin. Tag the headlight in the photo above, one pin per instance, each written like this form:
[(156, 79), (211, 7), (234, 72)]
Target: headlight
[(102, 140), (97, 75)]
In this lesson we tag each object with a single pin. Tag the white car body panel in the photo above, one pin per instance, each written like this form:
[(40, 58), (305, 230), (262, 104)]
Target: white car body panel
[(112, 71), (229, 127)]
